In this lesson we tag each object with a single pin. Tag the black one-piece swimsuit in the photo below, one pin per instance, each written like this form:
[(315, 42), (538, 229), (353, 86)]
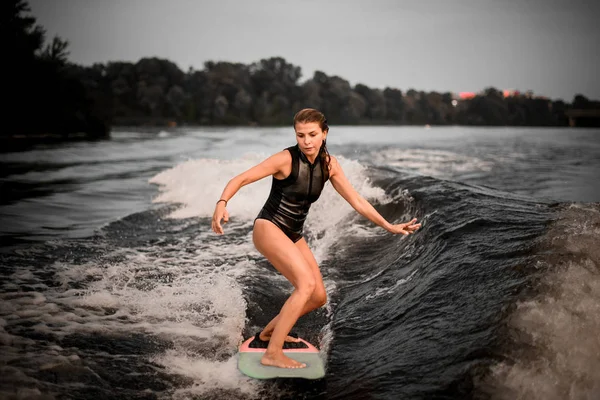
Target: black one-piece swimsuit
[(290, 198)]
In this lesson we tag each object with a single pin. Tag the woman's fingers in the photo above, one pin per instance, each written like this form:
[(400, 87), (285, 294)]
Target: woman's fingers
[(414, 227), (216, 222), (408, 227), (401, 228), (216, 226)]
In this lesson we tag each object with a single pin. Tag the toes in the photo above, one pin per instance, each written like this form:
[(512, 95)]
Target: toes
[(299, 365)]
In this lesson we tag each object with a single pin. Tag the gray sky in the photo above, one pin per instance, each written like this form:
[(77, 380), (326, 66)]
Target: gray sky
[(548, 46)]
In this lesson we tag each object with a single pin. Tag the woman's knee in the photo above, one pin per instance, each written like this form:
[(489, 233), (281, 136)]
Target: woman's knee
[(319, 298), (306, 285)]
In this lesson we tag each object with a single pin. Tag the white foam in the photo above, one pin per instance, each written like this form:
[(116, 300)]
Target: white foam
[(331, 217), (558, 328), (167, 292), (197, 184), (202, 302), (207, 376)]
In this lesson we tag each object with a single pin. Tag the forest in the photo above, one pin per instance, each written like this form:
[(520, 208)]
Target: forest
[(49, 95)]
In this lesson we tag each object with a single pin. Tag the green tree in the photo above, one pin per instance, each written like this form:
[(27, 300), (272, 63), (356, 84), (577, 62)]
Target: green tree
[(45, 94)]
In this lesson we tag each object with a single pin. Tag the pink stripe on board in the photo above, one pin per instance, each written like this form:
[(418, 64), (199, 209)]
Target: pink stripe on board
[(244, 348)]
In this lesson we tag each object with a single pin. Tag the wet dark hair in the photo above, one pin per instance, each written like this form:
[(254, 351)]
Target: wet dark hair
[(311, 115)]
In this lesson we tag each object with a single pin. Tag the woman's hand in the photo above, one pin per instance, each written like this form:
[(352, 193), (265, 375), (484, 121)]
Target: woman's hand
[(220, 214), (405, 228)]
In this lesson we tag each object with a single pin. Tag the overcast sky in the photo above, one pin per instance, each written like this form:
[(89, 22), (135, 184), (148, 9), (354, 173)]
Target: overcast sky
[(548, 46)]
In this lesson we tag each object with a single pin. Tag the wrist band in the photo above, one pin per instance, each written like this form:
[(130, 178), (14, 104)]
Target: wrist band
[(224, 201)]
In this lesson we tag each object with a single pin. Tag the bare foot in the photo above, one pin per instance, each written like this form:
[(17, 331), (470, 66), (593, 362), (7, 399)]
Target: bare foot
[(280, 361), (267, 337)]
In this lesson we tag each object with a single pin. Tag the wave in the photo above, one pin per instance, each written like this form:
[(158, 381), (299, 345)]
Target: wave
[(552, 345), (464, 308), (421, 311)]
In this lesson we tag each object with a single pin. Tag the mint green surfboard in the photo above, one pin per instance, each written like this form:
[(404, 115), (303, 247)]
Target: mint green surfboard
[(250, 354)]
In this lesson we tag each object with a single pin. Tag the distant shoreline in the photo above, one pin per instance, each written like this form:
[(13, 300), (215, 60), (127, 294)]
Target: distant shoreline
[(77, 136)]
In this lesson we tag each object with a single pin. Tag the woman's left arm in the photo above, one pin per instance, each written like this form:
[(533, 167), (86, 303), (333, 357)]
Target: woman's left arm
[(363, 207)]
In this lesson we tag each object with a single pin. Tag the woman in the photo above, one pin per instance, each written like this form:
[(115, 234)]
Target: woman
[(299, 174)]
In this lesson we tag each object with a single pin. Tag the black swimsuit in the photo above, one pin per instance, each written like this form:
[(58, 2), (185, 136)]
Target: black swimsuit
[(290, 198)]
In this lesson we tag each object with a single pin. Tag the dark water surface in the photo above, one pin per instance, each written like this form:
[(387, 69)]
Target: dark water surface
[(113, 285)]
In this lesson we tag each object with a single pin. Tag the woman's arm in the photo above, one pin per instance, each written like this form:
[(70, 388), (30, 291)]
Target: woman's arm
[(270, 166), (363, 207)]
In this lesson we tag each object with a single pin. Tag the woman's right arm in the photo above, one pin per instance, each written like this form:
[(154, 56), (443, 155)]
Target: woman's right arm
[(270, 166)]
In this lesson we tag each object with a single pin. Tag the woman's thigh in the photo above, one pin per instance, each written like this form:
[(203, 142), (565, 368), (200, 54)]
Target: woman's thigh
[(287, 258), (314, 267)]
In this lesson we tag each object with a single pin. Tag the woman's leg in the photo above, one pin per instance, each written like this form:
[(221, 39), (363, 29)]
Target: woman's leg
[(317, 299), (271, 242)]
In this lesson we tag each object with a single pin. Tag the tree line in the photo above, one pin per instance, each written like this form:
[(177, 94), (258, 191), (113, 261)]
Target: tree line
[(269, 92), (44, 93), (52, 95)]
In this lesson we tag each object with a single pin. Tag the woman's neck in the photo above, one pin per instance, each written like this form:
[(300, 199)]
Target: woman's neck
[(311, 159)]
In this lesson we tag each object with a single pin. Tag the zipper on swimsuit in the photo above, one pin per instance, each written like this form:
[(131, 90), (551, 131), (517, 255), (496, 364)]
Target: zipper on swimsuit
[(311, 168)]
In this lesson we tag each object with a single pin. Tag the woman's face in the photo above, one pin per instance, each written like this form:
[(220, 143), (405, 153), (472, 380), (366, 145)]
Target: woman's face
[(310, 137)]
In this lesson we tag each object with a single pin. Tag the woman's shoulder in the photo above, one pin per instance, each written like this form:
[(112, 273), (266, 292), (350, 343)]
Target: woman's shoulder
[(334, 164), (333, 160), (282, 156)]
